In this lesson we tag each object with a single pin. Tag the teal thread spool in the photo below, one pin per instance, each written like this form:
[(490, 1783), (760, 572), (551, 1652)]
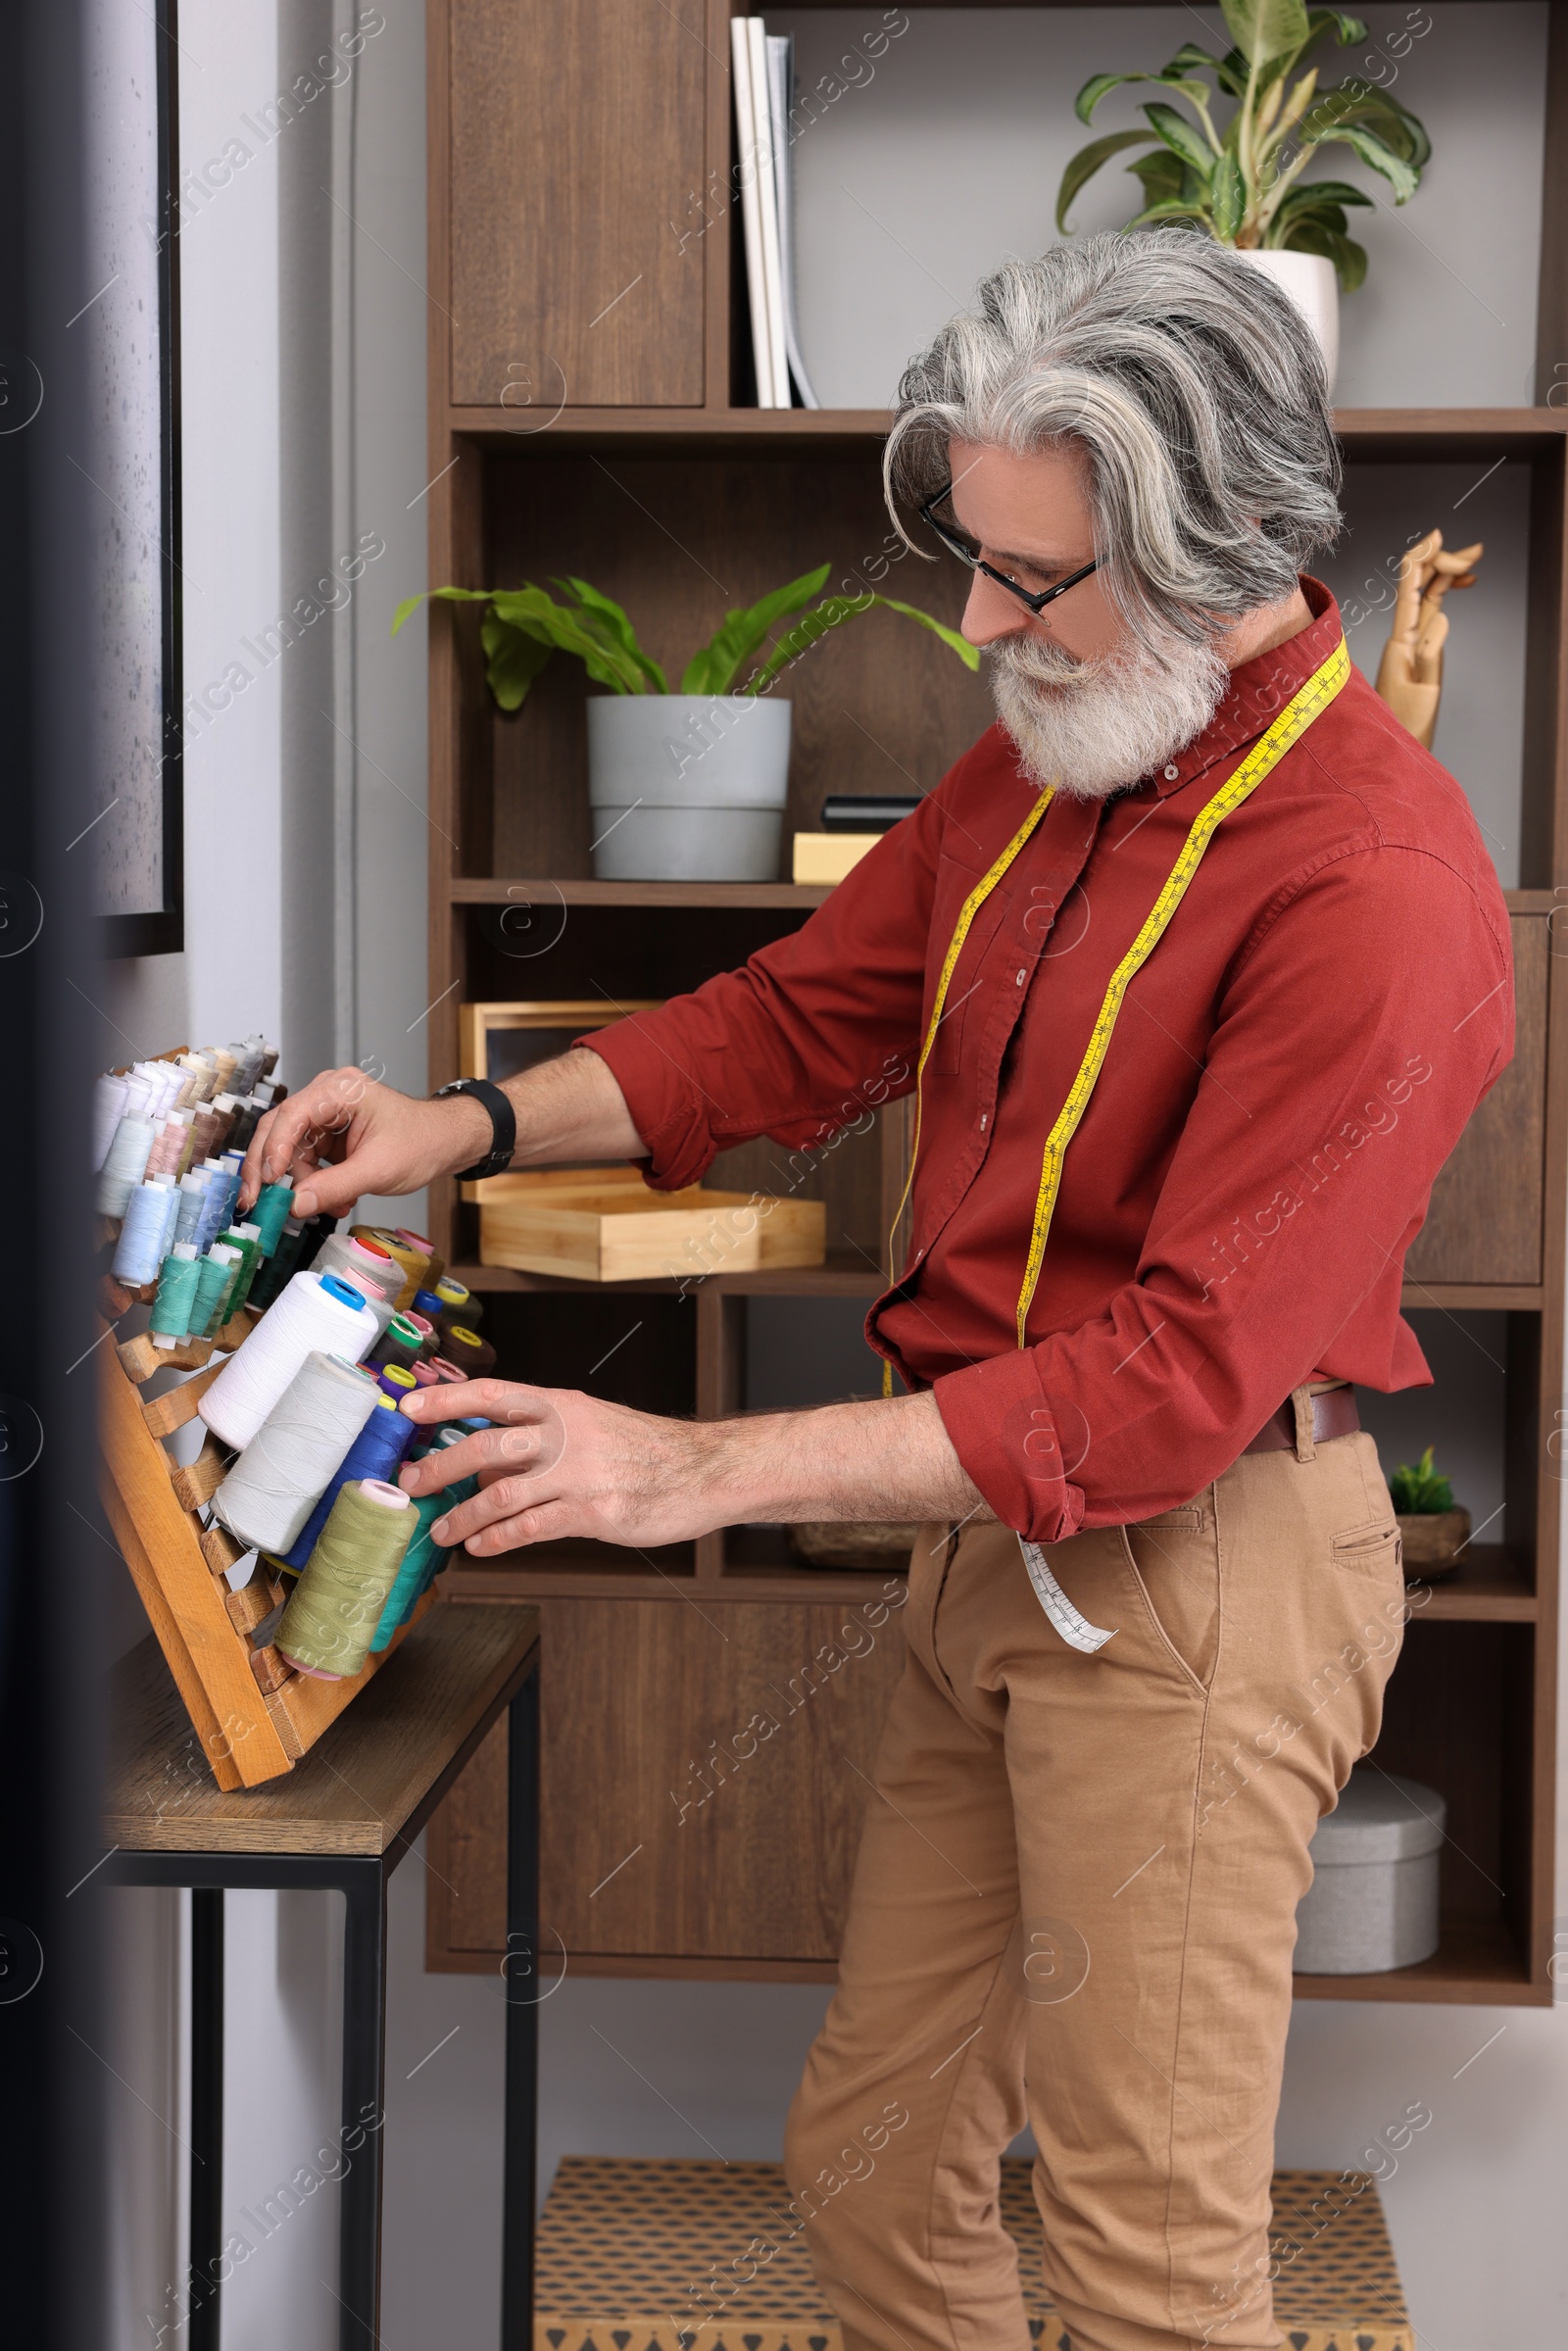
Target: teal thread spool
[(337, 1605), (273, 1205), (174, 1306), (232, 1261), (421, 1554)]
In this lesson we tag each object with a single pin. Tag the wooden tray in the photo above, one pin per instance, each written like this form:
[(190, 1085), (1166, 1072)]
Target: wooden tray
[(606, 1225), (254, 1715)]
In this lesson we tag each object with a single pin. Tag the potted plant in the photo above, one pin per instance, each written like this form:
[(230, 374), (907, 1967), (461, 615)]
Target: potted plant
[(687, 786), (1434, 1528), (1242, 181)]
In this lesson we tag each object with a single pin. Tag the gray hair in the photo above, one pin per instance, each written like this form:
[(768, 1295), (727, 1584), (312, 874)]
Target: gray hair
[(1197, 389)]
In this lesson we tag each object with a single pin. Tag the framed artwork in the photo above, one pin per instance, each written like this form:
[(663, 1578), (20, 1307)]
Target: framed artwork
[(131, 320), (497, 1041)]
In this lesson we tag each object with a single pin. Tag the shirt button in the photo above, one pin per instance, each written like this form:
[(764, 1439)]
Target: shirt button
[(1171, 774), (984, 1115), (1022, 976)]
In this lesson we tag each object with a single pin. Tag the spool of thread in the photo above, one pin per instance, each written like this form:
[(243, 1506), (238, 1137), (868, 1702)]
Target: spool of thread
[(221, 1193), (270, 1214), (268, 1059), (423, 1557), (398, 1343), (413, 1265), (233, 1260), (426, 1302), (435, 1266), (459, 1304), (376, 1452), (337, 1602), (108, 1109), (214, 1277), (281, 1475), (125, 1166), (365, 1261), (283, 1261), (429, 1335), (395, 1382), (140, 1249), (169, 1145), (175, 1303), (192, 1200), (446, 1371), (243, 1237), (313, 1313), (203, 1075), (425, 1375), (475, 1356)]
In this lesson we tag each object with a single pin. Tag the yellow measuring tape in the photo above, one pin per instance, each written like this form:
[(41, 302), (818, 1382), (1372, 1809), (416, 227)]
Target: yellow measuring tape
[(1288, 728)]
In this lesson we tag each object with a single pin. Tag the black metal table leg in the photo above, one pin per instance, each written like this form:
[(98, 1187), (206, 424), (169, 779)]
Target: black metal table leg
[(521, 1976), (363, 2103), (205, 2114)]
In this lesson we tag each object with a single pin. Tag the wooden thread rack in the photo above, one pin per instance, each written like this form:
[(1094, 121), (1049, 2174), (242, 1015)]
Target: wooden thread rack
[(254, 1714)]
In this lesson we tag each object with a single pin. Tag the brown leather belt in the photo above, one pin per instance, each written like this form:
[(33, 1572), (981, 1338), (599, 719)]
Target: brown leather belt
[(1334, 1414)]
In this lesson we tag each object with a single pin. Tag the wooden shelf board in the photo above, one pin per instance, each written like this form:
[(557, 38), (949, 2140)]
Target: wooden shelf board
[(1389, 433), (513, 1578), (470, 890), (1492, 1587), (1473, 1298), (840, 1277), (1475, 1962)]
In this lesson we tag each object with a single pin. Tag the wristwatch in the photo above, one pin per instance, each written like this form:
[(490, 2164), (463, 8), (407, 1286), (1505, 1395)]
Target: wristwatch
[(503, 1123)]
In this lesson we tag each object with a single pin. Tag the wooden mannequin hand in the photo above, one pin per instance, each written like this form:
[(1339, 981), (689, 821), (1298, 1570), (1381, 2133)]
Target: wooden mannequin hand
[(1410, 672)]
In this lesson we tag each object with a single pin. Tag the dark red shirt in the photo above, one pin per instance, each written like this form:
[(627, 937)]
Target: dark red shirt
[(1289, 1071)]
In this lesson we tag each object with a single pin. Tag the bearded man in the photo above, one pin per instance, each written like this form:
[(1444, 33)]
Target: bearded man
[(1204, 966)]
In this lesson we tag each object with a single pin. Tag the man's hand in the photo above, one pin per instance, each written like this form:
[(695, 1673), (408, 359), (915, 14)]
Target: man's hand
[(372, 1138), (562, 1464), (377, 1140)]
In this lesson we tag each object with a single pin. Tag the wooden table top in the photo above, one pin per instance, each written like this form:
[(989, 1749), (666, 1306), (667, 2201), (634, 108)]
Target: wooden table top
[(369, 1781)]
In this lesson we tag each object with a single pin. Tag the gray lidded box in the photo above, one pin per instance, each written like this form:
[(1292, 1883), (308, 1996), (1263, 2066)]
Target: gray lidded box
[(1373, 1901)]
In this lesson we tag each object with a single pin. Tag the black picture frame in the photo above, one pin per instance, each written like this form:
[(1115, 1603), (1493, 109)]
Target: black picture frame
[(160, 930)]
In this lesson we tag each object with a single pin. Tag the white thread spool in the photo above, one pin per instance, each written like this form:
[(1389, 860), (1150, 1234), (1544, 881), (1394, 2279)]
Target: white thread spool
[(125, 1166), (108, 1109), (285, 1469), (140, 1250), (307, 1317)]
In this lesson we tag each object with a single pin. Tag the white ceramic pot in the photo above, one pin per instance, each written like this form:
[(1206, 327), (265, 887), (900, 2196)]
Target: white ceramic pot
[(1309, 280), (687, 787)]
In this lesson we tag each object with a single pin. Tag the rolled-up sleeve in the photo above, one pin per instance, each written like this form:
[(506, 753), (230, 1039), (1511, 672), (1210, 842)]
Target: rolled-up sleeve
[(1301, 1177), (801, 1040)]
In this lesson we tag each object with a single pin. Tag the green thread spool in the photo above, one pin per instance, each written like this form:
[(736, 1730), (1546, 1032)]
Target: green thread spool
[(274, 1203), (243, 1237), (400, 1343), (174, 1306), (421, 1557), (232, 1261), (332, 1616)]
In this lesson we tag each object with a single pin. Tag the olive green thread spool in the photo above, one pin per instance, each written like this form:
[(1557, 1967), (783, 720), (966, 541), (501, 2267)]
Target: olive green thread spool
[(331, 1618)]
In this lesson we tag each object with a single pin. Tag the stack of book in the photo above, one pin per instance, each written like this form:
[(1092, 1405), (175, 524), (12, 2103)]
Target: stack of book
[(764, 76)]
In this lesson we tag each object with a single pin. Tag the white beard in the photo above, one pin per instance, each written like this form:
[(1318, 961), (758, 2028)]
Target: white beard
[(1091, 727)]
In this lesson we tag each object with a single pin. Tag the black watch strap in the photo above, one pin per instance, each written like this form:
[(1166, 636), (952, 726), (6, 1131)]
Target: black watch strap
[(503, 1123)]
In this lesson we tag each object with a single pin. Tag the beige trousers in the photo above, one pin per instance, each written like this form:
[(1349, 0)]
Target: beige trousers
[(1075, 1905)]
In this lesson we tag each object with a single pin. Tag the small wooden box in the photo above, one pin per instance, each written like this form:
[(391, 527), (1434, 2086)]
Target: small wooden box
[(606, 1225)]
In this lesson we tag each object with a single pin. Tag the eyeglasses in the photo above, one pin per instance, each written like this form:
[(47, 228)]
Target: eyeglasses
[(967, 553)]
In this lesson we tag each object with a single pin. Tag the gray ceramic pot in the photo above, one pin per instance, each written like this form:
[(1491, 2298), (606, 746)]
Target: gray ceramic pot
[(687, 787)]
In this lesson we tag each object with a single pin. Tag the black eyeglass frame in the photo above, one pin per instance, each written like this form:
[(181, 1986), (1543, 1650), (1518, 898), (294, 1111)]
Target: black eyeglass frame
[(1036, 603)]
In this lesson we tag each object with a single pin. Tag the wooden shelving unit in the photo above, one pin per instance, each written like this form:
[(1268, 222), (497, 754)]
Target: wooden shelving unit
[(623, 446)]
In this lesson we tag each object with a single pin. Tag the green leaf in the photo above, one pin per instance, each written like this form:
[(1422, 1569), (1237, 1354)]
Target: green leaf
[(1182, 140), (1162, 173), (1358, 102), (606, 620), (412, 604), (832, 612), (1400, 177), (1087, 162), (1417, 1491), (538, 615), (1314, 234), (1345, 28), (1222, 69), (1308, 193), (1228, 198), (513, 659), (1094, 90), (1173, 208), (713, 670), (1265, 29)]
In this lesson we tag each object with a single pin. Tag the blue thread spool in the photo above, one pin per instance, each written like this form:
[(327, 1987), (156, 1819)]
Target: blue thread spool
[(139, 1253), (426, 1302), (376, 1452)]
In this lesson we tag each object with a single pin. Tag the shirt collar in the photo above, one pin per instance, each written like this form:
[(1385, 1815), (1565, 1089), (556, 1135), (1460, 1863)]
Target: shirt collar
[(1258, 692)]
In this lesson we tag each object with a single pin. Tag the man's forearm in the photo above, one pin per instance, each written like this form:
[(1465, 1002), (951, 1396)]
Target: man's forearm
[(889, 1459), (571, 1108)]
